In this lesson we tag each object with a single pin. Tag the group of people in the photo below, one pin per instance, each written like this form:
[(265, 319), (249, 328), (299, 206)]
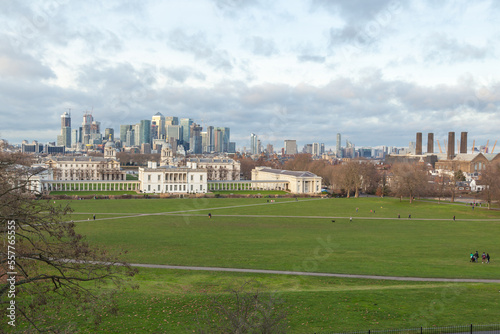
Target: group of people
[(485, 257)]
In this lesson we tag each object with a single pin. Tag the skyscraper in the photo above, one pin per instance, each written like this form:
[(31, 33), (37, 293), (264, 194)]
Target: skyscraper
[(123, 131), (64, 139), (185, 124), (144, 132), (158, 124), (338, 148), (195, 140), (210, 139), (254, 149), (290, 147)]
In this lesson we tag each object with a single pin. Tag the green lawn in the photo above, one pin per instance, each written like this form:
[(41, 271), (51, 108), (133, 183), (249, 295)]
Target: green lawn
[(370, 244), (251, 192), (172, 301), (299, 235)]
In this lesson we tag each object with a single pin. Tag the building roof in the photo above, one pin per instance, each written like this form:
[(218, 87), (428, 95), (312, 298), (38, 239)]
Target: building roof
[(80, 159), (289, 172)]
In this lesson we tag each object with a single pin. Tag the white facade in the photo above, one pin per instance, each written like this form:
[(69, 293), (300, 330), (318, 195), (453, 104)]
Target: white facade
[(171, 179), (221, 169), (85, 168), (299, 182)]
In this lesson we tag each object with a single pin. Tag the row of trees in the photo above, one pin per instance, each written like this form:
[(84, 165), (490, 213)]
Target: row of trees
[(401, 180)]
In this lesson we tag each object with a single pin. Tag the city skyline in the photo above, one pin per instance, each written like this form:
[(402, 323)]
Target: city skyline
[(301, 70)]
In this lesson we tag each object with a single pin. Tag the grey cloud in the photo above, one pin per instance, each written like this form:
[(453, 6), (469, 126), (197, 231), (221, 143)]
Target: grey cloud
[(311, 58), (354, 10), (181, 74), (198, 45), (16, 64), (234, 7), (261, 46), (442, 49)]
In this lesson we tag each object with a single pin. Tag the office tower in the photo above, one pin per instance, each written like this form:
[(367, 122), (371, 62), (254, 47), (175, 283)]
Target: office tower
[(290, 147), (411, 147), (321, 148), (254, 149), (232, 147), (130, 137), (316, 149), (171, 120), (185, 124), (225, 133), (210, 139), (195, 139), (270, 149), (85, 131), (218, 140), (109, 134), (123, 132), (143, 132), (308, 148), (158, 124), (338, 148), (418, 148), (74, 138), (463, 142), (451, 145), (430, 143), (173, 131), (64, 139), (204, 140)]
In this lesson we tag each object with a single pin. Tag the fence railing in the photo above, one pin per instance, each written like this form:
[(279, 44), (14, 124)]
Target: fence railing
[(465, 329)]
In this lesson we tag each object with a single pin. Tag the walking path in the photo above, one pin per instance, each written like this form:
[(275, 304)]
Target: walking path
[(304, 273)]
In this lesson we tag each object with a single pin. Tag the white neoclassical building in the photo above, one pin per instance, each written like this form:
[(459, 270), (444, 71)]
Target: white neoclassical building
[(297, 182), (172, 179)]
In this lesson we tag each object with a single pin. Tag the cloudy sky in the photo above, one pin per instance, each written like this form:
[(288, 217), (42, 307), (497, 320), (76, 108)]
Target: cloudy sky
[(377, 71)]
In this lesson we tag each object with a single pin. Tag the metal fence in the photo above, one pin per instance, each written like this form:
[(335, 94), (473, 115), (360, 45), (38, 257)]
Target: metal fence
[(465, 329)]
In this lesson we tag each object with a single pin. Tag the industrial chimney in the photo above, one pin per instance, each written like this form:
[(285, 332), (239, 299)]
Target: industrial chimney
[(463, 142), (451, 146), (430, 143), (418, 148)]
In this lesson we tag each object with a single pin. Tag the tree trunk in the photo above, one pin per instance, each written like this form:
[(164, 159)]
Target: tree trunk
[(356, 194)]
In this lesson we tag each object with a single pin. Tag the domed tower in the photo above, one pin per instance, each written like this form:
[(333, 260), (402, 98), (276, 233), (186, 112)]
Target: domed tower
[(167, 156), (110, 150)]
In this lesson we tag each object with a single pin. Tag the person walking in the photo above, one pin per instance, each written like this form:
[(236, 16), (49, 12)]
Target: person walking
[(94, 216), (453, 218), (487, 257), (483, 257), (471, 257), (350, 219)]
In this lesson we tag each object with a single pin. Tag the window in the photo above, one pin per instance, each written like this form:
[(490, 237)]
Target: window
[(175, 187), (184, 187), (201, 177), (159, 178), (158, 187), (191, 186), (192, 177), (149, 177), (149, 187), (201, 187)]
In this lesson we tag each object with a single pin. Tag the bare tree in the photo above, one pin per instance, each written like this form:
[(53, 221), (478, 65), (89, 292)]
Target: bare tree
[(244, 311), (45, 262), (409, 180), (491, 179)]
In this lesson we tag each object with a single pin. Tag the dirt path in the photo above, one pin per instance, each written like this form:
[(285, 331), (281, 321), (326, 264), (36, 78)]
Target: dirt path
[(304, 273)]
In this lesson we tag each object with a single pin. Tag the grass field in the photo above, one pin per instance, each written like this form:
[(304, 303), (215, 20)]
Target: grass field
[(300, 235), (251, 192)]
